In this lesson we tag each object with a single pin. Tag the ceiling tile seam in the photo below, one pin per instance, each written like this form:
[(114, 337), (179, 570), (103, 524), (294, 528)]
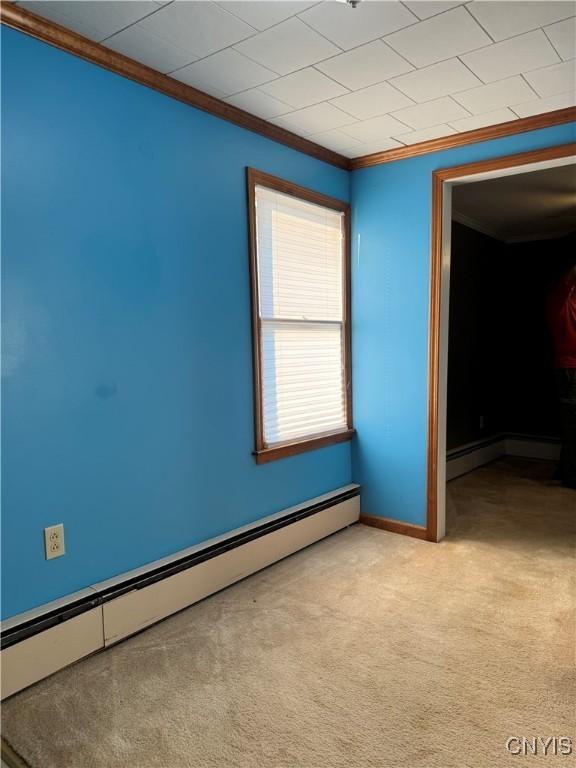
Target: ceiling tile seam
[(197, 61), (471, 71), (263, 93), (434, 15), (135, 23), (439, 61), (290, 107), (342, 50), (161, 40), (531, 87), (482, 27), (524, 31), (292, 16), (442, 122)]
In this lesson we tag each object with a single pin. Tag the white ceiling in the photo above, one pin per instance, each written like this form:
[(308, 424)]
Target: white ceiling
[(380, 76), (525, 206)]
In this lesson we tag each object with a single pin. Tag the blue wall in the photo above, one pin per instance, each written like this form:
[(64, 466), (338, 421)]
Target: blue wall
[(127, 381), (391, 207)]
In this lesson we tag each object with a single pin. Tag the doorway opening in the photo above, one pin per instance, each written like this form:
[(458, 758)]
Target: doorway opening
[(502, 235)]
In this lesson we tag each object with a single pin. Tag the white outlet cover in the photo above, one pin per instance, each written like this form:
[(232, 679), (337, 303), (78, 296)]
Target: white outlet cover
[(54, 541)]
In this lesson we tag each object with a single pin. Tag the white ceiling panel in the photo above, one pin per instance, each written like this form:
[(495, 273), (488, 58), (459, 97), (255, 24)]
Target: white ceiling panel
[(504, 93), (367, 65), (370, 147), (336, 140), (506, 18), (226, 71), (553, 80), (426, 8), (425, 134), (377, 128), (259, 104), (357, 80), (372, 101), (563, 37), (350, 27), (140, 44), (96, 19), (200, 27), (287, 47), (511, 57), (320, 117), (440, 37), (304, 88), (261, 14), (481, 121), (440, 79), (539, 106), (431, 113)]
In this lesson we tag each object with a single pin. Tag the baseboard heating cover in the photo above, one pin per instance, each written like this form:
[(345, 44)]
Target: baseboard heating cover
[(39, 642), (466, 458)]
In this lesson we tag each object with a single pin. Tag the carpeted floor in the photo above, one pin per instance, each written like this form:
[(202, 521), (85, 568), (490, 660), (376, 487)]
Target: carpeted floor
[(367, 649)]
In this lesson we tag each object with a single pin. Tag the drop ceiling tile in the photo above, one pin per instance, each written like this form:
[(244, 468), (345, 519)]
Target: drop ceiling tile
[(320, 117), (287, 47), (553, 80), (304, 88), (376, 129), (511, 57), (436, 132), (261, 15), (480, 121), (96, 19), (440, 37), (508, 18), (504, 93), (370, 148), (367, 65), (426, 8), (539, 106), (441, 79), (258, 103), (372, 101), (431, 113), (563, 37), (336, 140), (350, 27), (227, 71), (140, 44), (203, 28)]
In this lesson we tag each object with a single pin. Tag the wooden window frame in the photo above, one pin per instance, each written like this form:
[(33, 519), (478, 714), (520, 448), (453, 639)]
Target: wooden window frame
[(263, 452)]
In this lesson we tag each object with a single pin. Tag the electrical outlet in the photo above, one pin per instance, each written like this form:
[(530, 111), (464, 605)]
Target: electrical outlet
[(54, 541)]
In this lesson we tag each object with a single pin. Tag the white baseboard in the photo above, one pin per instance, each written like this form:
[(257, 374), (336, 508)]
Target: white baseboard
[(29, 660), (532, 448), (461, 464), (39, 656), (140, 608), (469, 457)]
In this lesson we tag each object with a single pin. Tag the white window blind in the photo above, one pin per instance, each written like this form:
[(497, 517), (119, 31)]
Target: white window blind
[(300, 265)]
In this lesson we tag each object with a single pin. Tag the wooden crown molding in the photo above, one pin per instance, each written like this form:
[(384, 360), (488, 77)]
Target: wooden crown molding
[(36, 26), (509, 128), (71, 42)]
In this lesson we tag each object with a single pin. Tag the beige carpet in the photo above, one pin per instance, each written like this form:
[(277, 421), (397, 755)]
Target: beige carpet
[(367, 649)]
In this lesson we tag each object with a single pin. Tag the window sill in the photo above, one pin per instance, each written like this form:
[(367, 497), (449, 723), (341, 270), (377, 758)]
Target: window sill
[(284, 450)]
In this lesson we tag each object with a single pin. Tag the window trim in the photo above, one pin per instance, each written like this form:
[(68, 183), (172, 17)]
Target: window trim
[(264, 453)]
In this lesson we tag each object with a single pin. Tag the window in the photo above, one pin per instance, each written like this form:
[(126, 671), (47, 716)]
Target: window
[(299, 255)]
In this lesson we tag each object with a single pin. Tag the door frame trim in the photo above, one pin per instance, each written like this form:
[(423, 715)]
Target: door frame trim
[(442, 182)]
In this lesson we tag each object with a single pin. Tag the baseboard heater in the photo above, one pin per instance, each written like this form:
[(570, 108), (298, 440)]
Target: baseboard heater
[(38, 643), (466, 458)]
